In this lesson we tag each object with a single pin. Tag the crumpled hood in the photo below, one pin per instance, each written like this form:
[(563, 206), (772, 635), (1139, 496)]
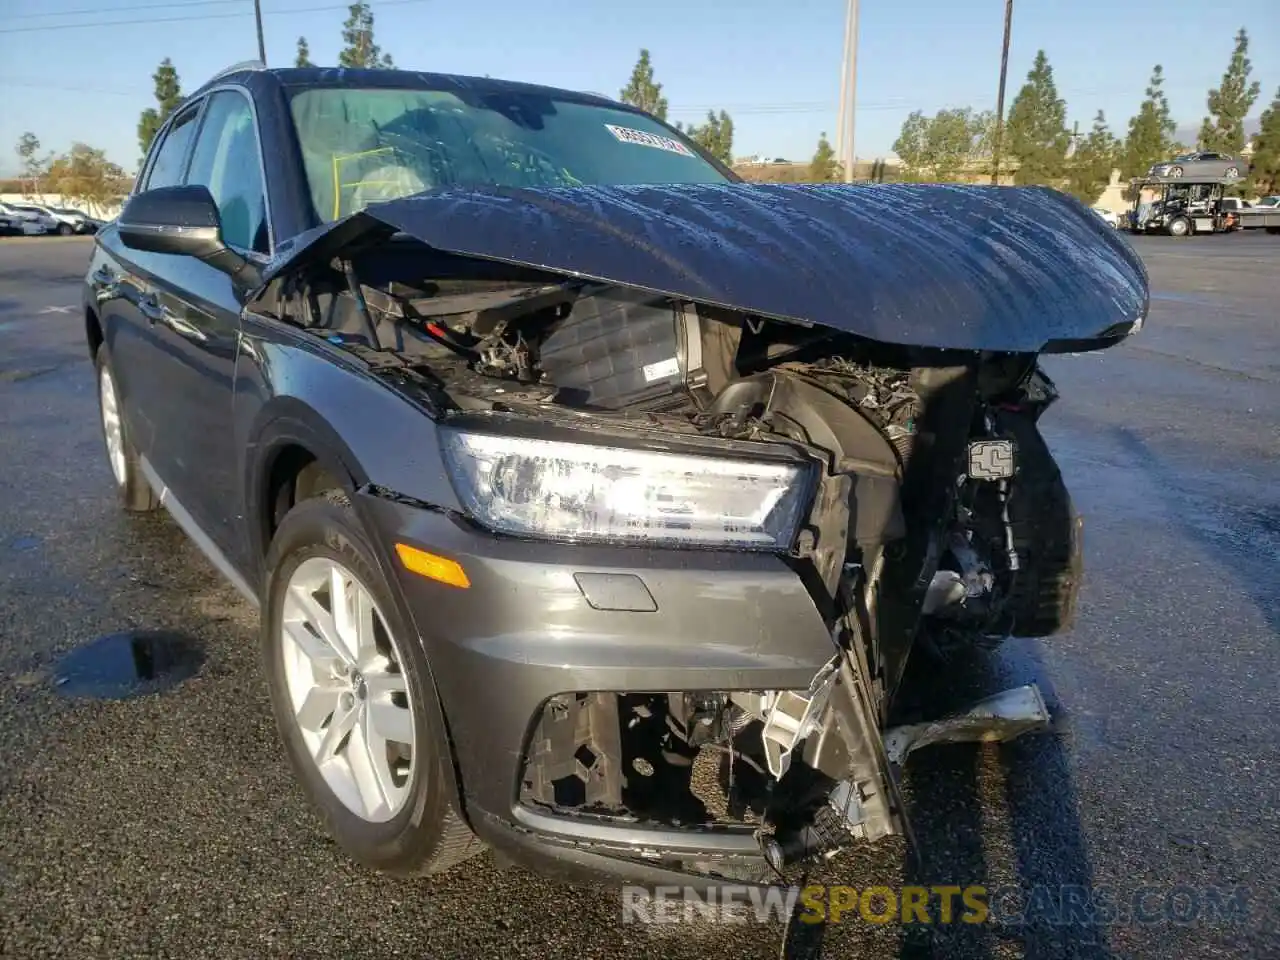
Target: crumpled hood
[(958, 267)]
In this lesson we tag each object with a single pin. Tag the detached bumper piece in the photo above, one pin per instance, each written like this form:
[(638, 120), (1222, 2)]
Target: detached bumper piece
[(1004, 716)]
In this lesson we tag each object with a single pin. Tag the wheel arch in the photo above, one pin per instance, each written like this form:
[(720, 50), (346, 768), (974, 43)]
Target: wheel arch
[(291, 442)]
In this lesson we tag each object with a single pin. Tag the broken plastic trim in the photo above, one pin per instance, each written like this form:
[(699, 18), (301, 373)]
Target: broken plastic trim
[(788, 716)]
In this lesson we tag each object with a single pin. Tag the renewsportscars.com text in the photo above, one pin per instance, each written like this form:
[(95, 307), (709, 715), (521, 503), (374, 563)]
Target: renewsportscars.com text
[(1067, 905)]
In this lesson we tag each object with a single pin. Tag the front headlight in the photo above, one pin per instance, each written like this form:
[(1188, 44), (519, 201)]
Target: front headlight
[(580, 491)]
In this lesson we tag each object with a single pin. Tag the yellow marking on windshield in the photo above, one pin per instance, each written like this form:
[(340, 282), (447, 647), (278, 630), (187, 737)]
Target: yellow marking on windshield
[(338, 160)]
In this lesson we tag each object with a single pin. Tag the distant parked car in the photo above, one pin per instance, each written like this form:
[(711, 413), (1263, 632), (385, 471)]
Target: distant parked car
[(1202, 164), (1111, 219), (68, 220), (17, 227), (46, 221), (27, 220), (1263, 215)]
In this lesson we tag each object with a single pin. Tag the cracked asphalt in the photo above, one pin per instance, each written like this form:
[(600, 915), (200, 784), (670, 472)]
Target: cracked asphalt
[(168, 825)]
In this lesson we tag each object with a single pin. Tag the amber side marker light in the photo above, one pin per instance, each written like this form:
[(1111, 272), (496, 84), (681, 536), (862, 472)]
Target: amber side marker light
[(432, 567)]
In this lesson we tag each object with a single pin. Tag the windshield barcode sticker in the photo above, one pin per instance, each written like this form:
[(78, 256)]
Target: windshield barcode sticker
[(661, 370), (628, 135)]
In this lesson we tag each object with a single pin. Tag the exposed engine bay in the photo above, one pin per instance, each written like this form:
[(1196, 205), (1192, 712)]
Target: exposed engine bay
[(939, 522)]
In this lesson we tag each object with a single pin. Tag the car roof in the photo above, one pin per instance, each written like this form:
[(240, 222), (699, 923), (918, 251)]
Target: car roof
[(294, 78)]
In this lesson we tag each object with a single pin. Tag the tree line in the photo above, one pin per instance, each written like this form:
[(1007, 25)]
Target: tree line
[(85, 175), (956, 143), (953, 144), (715, 134), (82, 174)]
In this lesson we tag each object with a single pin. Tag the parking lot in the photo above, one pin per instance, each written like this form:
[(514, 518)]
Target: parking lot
[(169, 825)]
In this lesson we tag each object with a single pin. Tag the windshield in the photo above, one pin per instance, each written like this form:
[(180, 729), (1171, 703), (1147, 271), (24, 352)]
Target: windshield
[(360, 146)]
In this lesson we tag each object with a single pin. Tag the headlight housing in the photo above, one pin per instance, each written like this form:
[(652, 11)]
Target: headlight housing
[(585, 492)]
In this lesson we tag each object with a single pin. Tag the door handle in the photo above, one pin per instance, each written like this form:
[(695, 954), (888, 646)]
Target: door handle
[(151, 309)]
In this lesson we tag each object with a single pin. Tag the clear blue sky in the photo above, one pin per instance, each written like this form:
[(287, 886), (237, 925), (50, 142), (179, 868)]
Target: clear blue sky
[(773, 65)]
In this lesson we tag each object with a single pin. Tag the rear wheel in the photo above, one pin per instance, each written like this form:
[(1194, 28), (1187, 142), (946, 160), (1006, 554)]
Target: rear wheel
[(64, 230), (1175, 171), (1179, 227), (1233, 172), (132, 488), (353, 698)]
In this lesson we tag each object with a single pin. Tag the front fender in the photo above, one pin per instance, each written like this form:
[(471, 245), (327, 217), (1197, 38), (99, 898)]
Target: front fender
[(295, 389), (292, 393)]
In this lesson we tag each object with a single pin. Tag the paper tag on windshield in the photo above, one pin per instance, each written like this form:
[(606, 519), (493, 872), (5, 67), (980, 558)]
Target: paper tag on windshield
[(661, 370), (628, 135)]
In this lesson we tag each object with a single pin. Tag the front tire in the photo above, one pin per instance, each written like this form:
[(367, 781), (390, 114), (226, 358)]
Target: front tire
[(1175, 171), (353, 698), (1180, 227), (1232, 172), (64, 230), (132, 488)]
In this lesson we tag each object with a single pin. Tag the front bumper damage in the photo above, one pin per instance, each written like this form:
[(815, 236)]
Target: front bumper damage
[(574, 780), (658, 716)]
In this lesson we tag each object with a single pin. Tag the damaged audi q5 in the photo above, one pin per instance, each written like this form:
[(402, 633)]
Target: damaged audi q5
[(595, 501)]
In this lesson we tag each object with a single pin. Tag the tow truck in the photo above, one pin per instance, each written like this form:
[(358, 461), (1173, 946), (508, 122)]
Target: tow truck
[(1182, 206)]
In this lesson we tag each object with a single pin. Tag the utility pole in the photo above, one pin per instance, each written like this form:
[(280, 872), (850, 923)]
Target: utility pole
[(848, 93), (1004, 69), (262, 47)]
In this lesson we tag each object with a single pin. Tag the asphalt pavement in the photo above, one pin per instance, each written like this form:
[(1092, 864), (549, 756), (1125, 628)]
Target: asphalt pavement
[(168, 825)]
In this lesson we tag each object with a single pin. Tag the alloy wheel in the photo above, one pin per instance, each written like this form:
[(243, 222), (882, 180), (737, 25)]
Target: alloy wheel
[(112, 428), (347, 692)]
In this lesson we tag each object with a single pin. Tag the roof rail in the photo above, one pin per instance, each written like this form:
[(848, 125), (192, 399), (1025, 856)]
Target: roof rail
[(240, 67)]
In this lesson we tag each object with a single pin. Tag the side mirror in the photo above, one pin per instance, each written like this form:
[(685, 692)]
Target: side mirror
[(181, 221)]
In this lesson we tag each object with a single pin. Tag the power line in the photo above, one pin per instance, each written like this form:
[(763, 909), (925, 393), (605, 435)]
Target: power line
[(736, 110), (762, 109), (206, 16), (799, 105), (140, 6), (41, 85)]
